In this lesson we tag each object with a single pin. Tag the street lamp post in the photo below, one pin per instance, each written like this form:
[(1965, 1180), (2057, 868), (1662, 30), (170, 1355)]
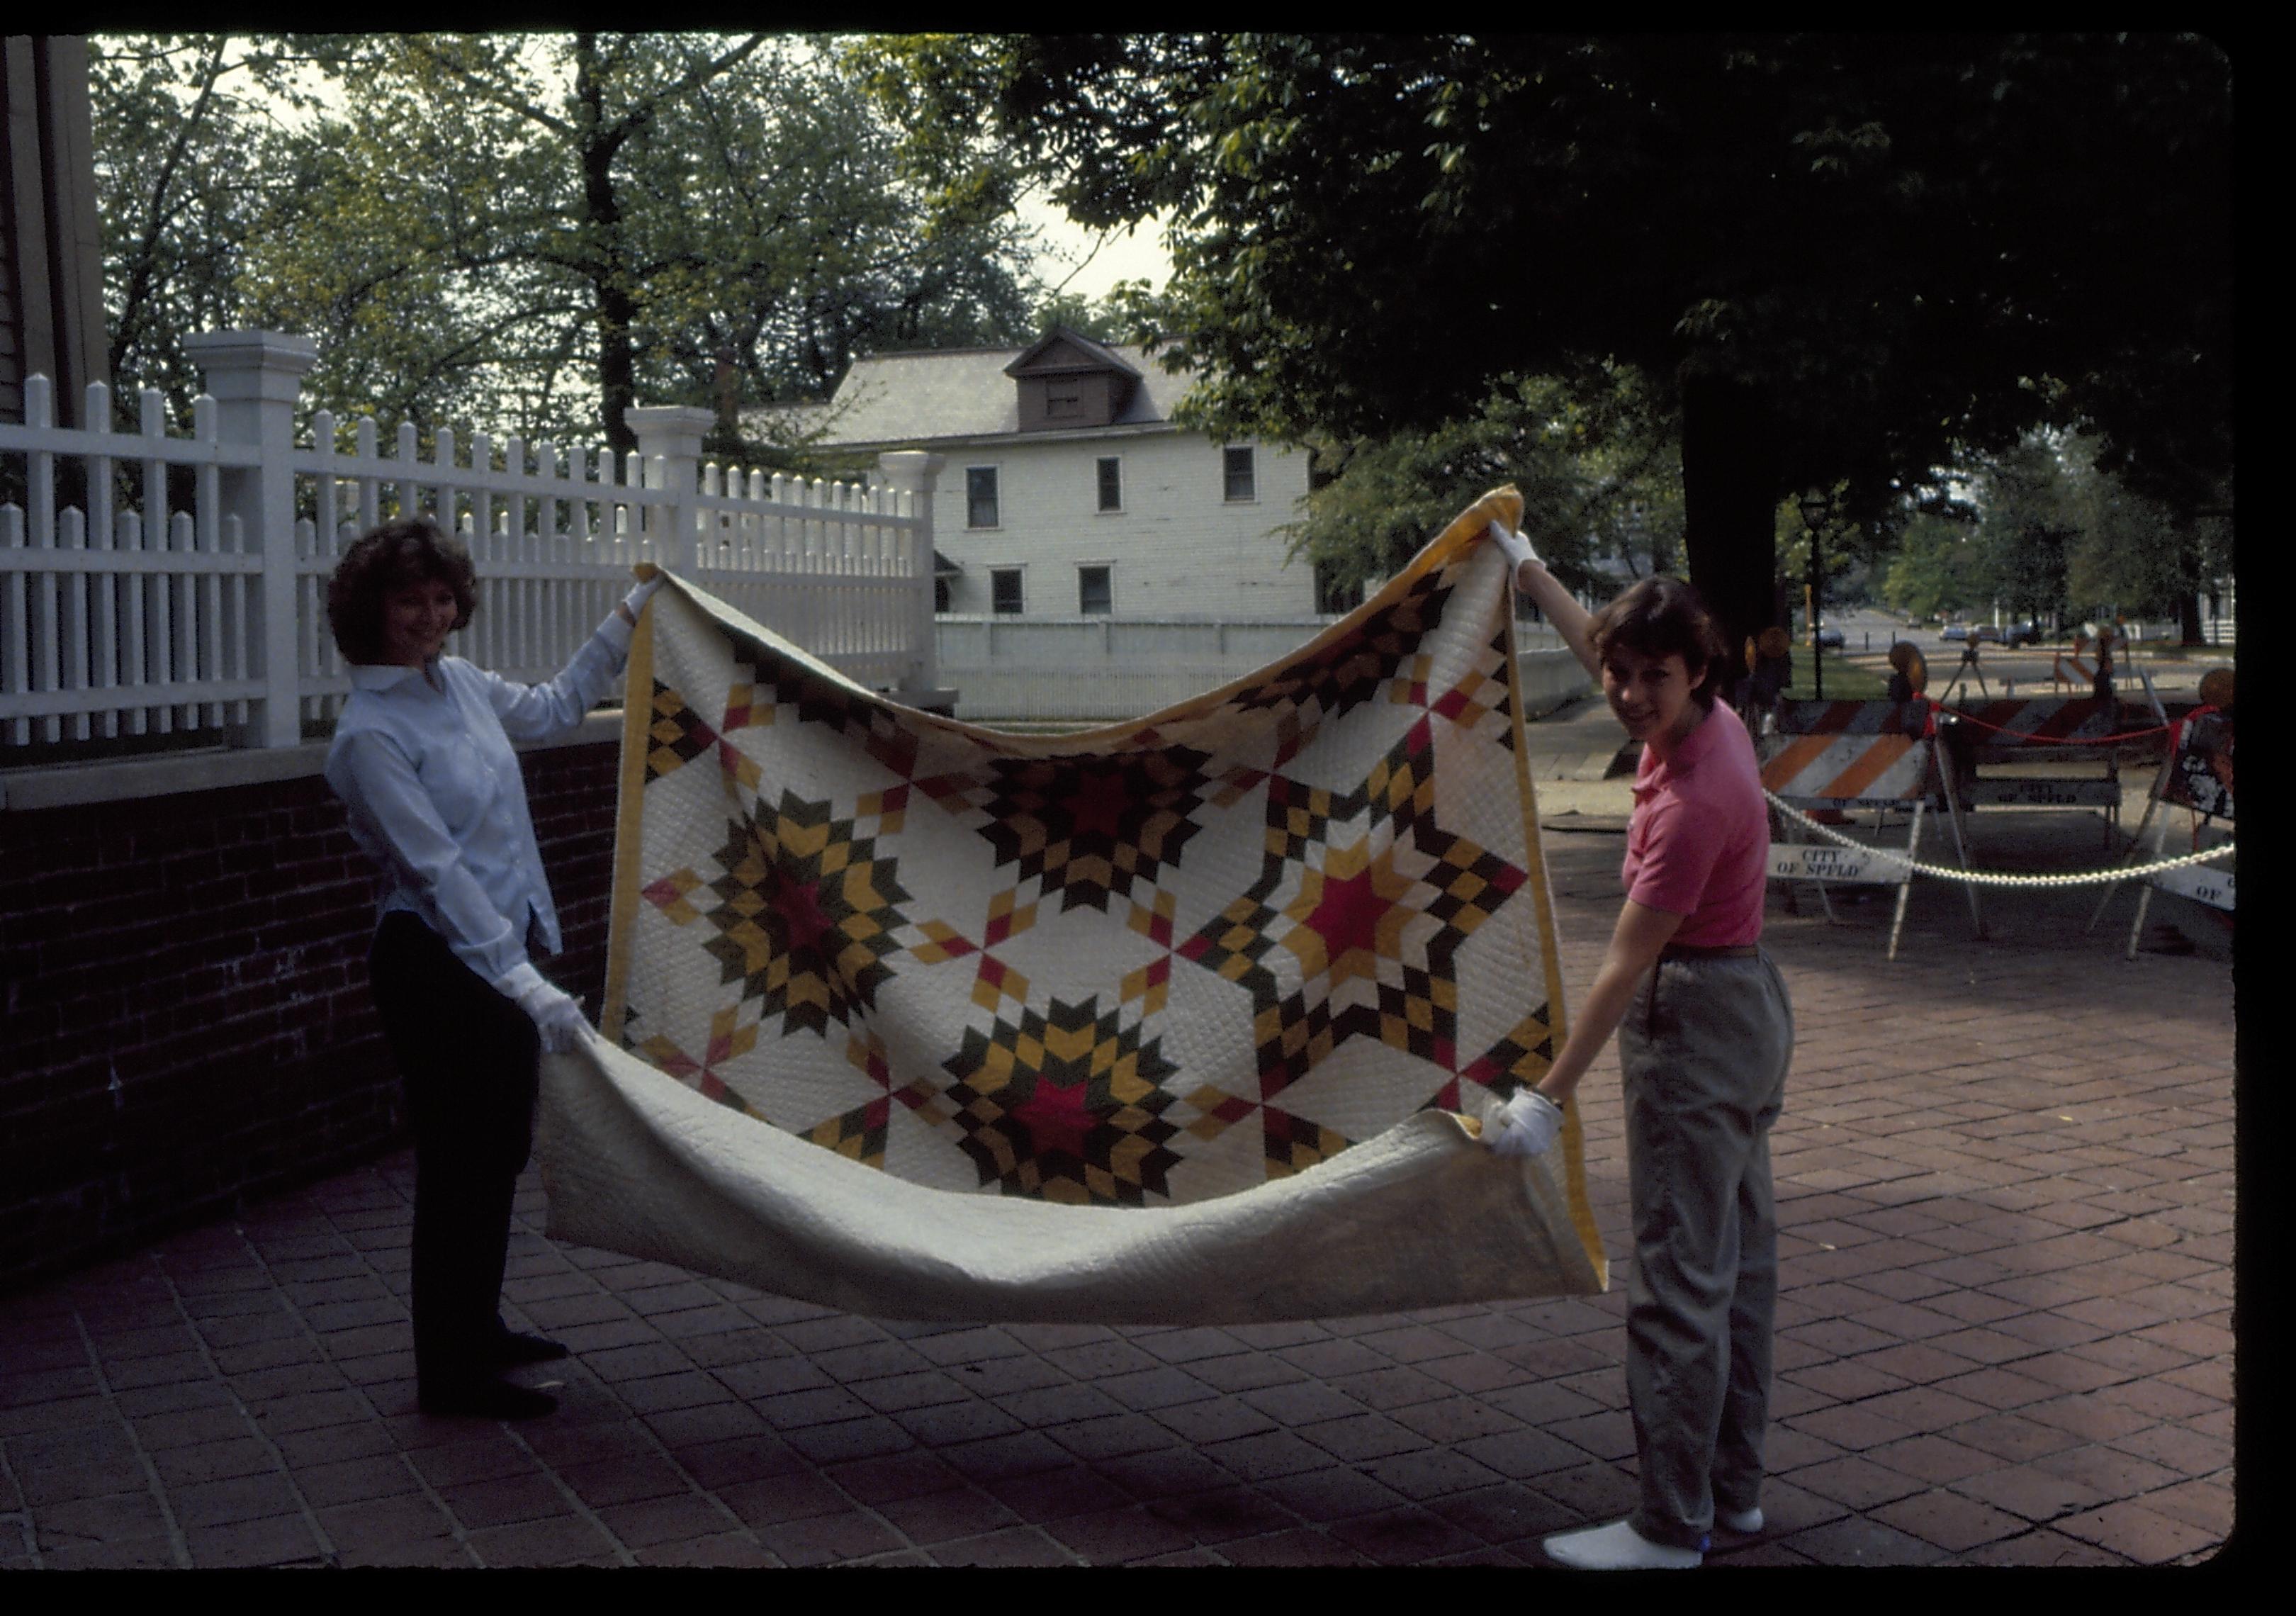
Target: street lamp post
[(1815, 506)]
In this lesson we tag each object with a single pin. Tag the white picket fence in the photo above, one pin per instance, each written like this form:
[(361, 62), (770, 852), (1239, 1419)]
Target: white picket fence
[(150, 621)]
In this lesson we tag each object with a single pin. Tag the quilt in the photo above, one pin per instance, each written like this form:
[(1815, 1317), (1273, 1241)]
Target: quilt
[(1191, 1018)]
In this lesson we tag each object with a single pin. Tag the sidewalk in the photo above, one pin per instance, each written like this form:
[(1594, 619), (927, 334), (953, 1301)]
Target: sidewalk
[(2005, 1173)]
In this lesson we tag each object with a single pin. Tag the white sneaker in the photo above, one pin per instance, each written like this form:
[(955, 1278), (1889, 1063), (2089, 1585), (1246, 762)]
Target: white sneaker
[(1745, 1522), (1617, 1547)]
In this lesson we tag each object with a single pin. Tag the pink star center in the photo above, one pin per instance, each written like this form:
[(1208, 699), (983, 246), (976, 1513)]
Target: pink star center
[(1056, 1117), (1347, 916), (1098, 805), (801, 912)]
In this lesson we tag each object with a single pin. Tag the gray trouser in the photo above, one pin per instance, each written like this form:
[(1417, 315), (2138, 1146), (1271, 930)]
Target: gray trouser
[(1705, 1047)]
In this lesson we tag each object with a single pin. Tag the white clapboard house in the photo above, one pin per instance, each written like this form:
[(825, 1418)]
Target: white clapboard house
[(1068, 491)]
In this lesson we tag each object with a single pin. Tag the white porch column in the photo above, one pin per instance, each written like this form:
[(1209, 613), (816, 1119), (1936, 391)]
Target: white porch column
[(255, 378), (911, 473), (669, 437)]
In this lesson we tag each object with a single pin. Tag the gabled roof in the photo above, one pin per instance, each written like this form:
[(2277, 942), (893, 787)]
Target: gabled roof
[(1062, 352), (894, 400)]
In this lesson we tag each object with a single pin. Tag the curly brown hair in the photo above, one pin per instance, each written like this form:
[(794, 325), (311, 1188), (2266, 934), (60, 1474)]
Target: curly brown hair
[(391, 557), (1661, 617)]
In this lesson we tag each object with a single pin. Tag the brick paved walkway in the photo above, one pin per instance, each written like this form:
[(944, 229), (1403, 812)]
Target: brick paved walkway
[(2007, 1174)]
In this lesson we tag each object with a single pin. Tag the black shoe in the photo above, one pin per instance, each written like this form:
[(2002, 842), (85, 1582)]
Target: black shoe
[(512, 1347), (486, 1399)]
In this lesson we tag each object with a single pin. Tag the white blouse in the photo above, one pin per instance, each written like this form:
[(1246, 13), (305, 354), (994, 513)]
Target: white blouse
[(423, 760)]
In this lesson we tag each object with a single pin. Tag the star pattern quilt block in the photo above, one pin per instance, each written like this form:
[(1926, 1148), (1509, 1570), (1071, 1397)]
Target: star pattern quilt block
[(1144, 966)]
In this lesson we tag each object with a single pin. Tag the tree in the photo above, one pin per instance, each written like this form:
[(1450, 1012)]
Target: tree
[(1849, 549), (799, 245), (1595, 458), (1103, 319), (184, 155), (2060, 532), (1939, 568), (1845, 255), (533, 186), (535, 230), (2129, 551), (2026, 525)]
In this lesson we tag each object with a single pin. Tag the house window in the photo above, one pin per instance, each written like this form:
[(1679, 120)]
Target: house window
[(1235, 465), (1112, 482), (1063, 399), (1094, 593), (1004, 590), (980, 496)]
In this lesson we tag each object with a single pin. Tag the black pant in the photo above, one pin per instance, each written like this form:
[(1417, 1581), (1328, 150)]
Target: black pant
[(468, 1057)]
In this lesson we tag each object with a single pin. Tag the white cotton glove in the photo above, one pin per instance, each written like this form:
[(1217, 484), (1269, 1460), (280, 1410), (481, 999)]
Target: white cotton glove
[(634, 603), (1525, 1126), (1512, 544), (556, 1017)]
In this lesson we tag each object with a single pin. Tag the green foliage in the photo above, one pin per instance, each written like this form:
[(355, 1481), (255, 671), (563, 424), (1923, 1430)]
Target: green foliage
[(1940, 567), (186, 178), (2050, 534), (1850, 257), (1892, 238), (1106, 319), (2028, 519), (1596, 459), (1849, 549), (2130, 553), (531, 233)]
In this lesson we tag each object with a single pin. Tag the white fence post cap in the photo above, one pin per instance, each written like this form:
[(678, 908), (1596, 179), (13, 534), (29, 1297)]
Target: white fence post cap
[(259, 364), (673, 430), (910, 469)]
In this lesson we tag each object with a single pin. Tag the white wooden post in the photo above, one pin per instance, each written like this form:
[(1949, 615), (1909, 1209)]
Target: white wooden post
[(911, 474), (255, 378), (669, 435)]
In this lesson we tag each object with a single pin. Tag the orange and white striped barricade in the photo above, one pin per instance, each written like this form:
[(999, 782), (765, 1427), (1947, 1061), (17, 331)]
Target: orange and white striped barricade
[(1846, 756), (2045, 730), (2196, 775), (2077, 667)]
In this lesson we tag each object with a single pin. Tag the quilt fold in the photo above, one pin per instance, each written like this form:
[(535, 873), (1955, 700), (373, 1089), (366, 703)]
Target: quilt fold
[(1186, 1020)]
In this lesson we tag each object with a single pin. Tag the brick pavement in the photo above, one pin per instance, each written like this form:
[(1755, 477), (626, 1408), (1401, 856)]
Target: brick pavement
[(2005, 1338)]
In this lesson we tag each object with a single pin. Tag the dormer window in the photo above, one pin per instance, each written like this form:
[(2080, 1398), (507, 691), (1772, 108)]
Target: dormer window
[(1069, 382)]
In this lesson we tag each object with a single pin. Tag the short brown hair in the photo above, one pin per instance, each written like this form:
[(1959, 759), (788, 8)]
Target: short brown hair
[(1661, 617), (391, 557)]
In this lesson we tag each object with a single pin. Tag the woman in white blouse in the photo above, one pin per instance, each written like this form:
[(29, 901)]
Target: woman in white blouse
[(422, 759)]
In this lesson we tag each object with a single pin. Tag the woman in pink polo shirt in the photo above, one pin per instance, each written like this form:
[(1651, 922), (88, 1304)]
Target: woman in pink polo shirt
[(1705, 1033)]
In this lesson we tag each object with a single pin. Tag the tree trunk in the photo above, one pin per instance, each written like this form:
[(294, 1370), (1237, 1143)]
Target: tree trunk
[(617, 364), (1730, 471), (2191, 580), (617, 310), (601, 210)]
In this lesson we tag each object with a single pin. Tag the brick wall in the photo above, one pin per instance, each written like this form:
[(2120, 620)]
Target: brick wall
[(186, 1022)]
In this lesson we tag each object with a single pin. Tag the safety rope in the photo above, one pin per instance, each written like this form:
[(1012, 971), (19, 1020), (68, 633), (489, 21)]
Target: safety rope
[(1956, 716), (1987, 878)]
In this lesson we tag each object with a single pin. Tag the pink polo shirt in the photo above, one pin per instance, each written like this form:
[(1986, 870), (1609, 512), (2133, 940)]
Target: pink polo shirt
[(1698, 844)]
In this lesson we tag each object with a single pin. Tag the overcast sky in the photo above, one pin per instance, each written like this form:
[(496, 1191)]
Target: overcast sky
[(1068, 252)]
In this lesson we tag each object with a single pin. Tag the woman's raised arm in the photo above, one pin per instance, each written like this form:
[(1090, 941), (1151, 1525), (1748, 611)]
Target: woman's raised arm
[(1532, 578)]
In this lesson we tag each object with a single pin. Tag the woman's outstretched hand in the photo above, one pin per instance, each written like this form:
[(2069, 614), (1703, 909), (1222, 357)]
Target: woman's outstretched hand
[(634, 601), (1525, 1126), (1512, 544), (557, 1019)]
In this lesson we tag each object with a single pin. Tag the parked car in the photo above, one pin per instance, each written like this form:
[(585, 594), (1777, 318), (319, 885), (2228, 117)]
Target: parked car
[(1828, 639), (2021, 634), (1954, 631), (1986, 634)]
